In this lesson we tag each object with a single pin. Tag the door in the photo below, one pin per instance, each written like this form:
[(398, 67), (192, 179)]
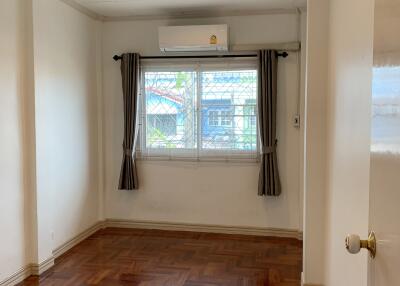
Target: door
[(347, 161), (384, 174), (361, 191), (385, 145)]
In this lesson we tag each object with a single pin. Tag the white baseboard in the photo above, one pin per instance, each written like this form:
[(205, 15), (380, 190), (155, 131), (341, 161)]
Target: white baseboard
[(246, 230), (307, 284), (77, 239), (17, 277), (37, 269), (25, 272)]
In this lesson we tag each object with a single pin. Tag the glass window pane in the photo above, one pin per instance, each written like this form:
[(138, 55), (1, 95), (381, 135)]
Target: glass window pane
[(228, 104), (170, 109), (386, 109)]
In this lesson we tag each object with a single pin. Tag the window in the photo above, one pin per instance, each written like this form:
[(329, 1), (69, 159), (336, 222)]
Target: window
[(220, 118), (170, 110), (226, 118), (213, 118), (199, 110), (386, 109)]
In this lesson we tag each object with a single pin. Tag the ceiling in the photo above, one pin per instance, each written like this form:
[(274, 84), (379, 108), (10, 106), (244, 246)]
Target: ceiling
[(154, 8)]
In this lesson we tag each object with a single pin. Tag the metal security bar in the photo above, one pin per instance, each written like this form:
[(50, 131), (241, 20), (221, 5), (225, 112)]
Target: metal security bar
[(198, 112)]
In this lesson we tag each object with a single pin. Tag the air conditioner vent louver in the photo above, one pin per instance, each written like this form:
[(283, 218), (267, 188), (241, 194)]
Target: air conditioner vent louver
[(193, 38)]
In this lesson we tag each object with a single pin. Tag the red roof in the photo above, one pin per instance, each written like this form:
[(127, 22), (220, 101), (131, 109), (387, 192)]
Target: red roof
[(166, 94)]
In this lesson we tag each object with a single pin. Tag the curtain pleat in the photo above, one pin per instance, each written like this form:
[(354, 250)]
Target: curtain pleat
[(269, 183), (130, 65)]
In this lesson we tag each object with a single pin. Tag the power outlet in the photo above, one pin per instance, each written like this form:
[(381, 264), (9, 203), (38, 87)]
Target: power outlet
[(296, 121)]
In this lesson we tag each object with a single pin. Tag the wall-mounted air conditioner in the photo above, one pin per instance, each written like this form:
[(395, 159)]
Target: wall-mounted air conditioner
[(193, 38)]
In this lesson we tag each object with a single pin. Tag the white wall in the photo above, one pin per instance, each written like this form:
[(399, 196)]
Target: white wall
[(348, 137), (303, 65), (66, 123), (205, 193), (50, 85), (48, 126), (315, 141), (386, 41), (14, 238), (386, 21)]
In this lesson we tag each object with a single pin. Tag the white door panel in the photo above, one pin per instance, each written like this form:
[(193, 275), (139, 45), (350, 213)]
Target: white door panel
[(385, 145), (384, 218), (362, 187), (348, 134)]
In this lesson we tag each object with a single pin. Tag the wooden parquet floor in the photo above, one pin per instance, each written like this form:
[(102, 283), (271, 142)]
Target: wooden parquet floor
[(172, 258)]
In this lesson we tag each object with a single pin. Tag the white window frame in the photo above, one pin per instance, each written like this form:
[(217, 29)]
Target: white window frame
[(198, 153)]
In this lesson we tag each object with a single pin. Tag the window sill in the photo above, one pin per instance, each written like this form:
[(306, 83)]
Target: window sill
[(236, 160)]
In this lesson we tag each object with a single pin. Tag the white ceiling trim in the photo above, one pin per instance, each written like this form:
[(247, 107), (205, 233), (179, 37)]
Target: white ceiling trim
[(200, 14), (83, 10), (182, 15)]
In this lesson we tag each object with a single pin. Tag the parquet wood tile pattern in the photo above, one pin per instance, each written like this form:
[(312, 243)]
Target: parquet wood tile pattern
[(174, 258)]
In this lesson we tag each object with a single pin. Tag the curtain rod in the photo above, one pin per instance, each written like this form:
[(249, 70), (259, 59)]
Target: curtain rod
[(283, 54)]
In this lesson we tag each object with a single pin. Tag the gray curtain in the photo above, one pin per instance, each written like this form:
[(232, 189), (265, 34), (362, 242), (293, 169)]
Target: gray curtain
[(128, 179), (268, 182)]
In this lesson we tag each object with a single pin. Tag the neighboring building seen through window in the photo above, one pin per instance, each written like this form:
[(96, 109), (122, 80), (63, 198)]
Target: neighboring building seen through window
[(226, 118), (199, 111), (162, 123), (213, 118)]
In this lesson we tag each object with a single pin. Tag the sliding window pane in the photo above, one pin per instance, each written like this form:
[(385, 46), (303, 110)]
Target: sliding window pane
[(228, 105), (170, 110)]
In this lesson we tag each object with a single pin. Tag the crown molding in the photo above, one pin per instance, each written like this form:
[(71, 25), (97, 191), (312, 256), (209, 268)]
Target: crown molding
[(83, 10), (200, 14), (180, 15)]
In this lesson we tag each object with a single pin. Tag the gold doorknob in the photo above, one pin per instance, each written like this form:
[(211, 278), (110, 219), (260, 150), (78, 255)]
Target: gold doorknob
[(354, 244)]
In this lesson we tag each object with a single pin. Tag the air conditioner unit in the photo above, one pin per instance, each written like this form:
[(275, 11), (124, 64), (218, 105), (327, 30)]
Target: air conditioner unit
[(193, 38)]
